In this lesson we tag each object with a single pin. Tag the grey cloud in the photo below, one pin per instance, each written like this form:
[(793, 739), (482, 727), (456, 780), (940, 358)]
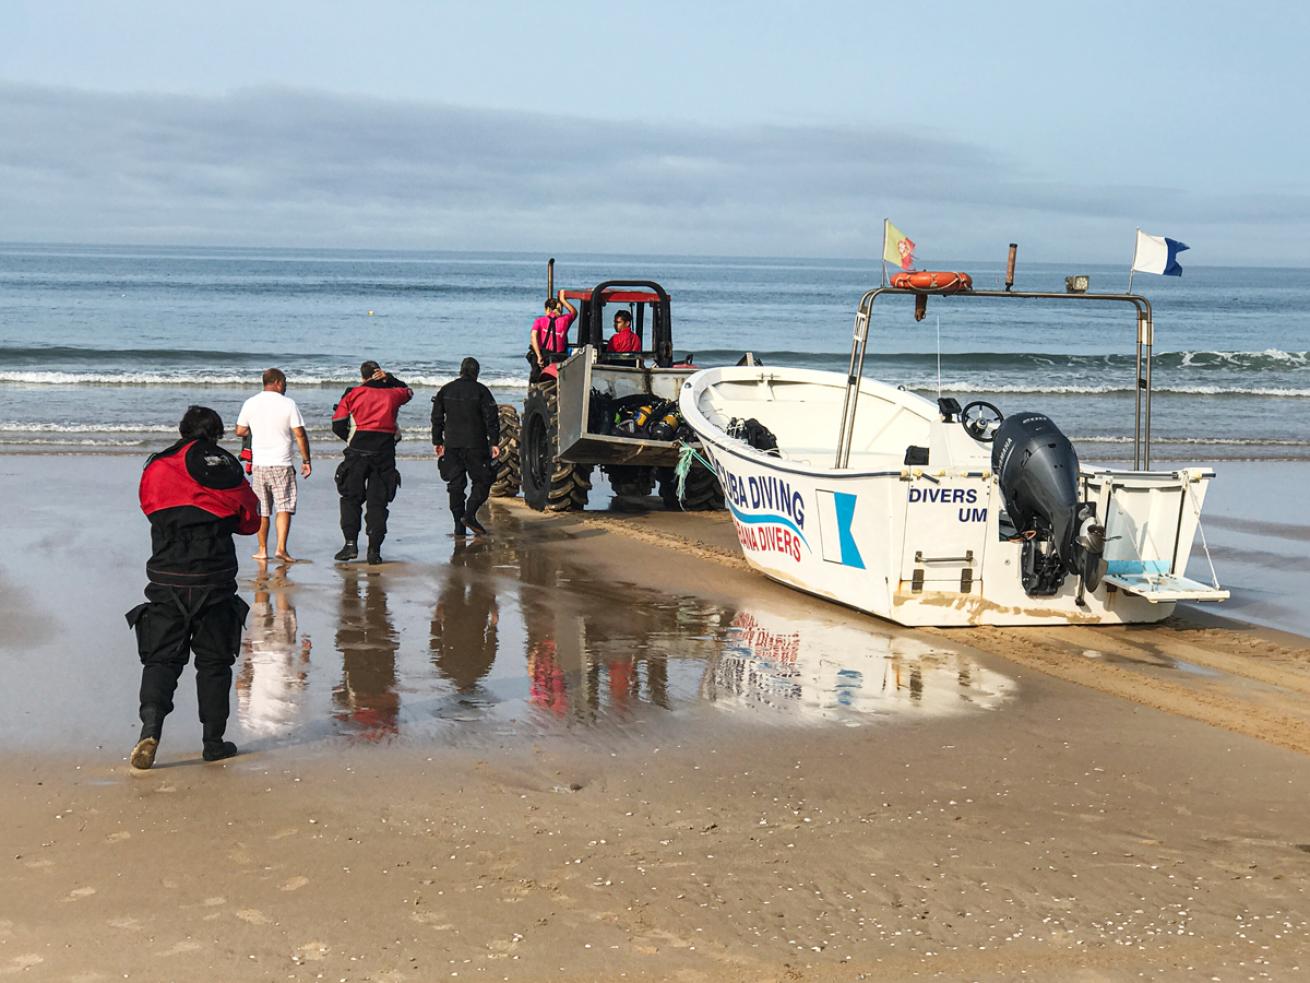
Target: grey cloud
[(274, 166)]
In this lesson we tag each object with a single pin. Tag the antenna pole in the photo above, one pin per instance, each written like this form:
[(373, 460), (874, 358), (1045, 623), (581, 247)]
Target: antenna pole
[(939, 357), (1133, 263), (883, 254)]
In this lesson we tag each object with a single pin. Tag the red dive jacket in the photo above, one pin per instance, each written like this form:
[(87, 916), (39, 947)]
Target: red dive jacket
[(366, 415), (196, 498)]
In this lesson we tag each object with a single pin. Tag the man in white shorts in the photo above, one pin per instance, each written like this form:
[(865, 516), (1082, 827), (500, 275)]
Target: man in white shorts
[(272, 421)]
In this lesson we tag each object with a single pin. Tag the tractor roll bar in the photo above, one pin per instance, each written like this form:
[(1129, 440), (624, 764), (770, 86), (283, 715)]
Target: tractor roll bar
[(1142, 388), (661, 328)]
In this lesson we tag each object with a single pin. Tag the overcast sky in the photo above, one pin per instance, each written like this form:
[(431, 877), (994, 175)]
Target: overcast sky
[(707, 128)]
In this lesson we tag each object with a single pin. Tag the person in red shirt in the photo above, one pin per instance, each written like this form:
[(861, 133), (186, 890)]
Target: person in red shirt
[(366, 419), (624, 339), (196, 497)]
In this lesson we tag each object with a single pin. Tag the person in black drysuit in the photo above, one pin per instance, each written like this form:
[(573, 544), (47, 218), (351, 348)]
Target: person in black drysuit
[(466, 438), (367, 419), (196, 497)]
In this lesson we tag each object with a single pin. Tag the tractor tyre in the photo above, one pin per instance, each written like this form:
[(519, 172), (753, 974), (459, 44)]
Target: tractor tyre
[(702, 493), (629, 481), (549, 484), (508, 477)]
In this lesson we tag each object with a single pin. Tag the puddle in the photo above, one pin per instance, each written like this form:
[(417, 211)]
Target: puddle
[(506, 639), (479, 643)]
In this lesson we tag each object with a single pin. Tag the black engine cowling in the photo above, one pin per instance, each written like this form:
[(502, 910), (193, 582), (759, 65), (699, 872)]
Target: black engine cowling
[(1037, 470)]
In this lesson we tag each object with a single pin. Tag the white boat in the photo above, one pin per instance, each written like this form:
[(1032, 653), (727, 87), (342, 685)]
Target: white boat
[(932, 515)]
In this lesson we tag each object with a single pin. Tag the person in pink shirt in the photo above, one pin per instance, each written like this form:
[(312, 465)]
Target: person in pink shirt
[(550, 332), (624, 339)]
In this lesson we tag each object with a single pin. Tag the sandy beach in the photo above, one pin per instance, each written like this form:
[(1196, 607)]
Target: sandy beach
[(598, 747)]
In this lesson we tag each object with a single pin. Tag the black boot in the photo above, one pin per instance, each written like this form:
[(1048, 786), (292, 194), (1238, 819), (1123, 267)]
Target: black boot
[(374, 553), (460, 531), (472, 522), (347, 552), (215, 748), (152, 727)]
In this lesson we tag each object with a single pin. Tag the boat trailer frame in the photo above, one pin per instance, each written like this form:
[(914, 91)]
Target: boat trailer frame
[(1145, 343)]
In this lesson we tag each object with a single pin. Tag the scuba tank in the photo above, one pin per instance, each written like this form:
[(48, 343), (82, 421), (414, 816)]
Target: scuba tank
[(665, 424)]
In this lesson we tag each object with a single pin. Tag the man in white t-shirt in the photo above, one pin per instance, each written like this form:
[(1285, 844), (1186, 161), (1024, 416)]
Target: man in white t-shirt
[(272, 421)]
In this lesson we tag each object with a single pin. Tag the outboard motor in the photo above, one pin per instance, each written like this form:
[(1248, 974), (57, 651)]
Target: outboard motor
[(1037, 470)]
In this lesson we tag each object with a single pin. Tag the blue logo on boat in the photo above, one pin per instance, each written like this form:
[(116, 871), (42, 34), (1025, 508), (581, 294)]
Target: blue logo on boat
[(844, 505)]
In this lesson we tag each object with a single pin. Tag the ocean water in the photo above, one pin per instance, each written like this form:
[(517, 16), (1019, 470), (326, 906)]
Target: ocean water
[(101, 348)]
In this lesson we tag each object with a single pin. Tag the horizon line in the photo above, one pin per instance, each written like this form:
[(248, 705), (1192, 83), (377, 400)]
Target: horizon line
[(873, 262)]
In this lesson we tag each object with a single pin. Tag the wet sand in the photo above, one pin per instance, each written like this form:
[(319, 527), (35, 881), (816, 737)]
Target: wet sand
[(597, 747)]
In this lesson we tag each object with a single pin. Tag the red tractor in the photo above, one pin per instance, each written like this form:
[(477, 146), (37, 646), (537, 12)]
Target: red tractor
[(617, 411)]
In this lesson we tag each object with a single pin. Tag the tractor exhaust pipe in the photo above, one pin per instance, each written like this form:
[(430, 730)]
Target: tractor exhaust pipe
[(550, 277), (1009, 266)]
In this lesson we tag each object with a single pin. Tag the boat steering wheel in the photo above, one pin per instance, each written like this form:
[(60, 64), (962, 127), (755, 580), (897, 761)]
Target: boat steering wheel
[(981, 420)]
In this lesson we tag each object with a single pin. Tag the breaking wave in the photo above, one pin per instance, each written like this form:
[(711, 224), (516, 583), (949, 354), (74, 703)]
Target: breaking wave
[(1270, 358), (983, 386), (191, 380), (1201, 441)]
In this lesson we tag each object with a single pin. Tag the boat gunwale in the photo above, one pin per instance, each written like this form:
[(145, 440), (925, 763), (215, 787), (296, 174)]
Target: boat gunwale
[(792, 375), (698, 382)]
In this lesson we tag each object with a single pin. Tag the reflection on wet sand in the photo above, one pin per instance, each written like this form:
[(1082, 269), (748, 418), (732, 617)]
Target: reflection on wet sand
[(366, 699), (271, 682), (463, 640), (521, 635), (589, 650), (818, 672)]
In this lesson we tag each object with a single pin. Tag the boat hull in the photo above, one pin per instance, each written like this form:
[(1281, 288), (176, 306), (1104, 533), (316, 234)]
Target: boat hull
[(924, 546)]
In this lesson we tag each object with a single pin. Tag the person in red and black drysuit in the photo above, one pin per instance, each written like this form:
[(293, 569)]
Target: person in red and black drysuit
[(366, 419), (196, 497)]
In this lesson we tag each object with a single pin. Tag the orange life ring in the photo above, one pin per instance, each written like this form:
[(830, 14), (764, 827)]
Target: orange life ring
[(935, 280)]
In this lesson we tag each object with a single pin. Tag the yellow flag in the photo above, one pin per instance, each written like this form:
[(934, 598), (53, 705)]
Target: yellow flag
[(897, 247)]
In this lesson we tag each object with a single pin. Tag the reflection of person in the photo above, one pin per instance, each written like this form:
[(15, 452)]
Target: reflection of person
[(465, 438), (272, 421), (196, 497), (368, 644), (275, 668), (550, 332), (366, 418), (624, 339), (464, 624)]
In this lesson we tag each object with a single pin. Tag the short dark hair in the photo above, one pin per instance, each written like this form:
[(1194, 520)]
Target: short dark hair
[(553, 304), (469, 368), (273, 376), (200, 421), (623, 316), (368, 368)]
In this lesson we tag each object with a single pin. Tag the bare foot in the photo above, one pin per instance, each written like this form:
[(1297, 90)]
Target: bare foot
[(259, 556), (285, 557)]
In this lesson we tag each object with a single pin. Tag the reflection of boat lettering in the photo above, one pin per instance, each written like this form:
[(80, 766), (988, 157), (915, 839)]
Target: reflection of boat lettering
[(772, 662), (776, 646)]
